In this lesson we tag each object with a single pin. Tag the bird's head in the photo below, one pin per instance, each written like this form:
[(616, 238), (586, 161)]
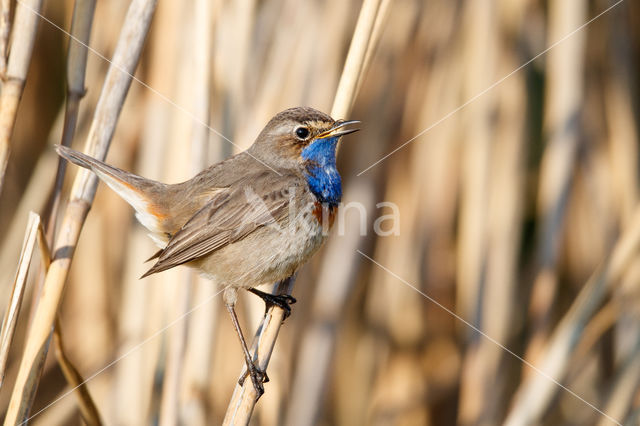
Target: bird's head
[(299, 136), (306, 140)]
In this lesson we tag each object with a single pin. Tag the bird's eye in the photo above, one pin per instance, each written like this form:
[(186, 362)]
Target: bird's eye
[(302, 133)]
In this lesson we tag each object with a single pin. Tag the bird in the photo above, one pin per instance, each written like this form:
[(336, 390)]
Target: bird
[(252, 219)]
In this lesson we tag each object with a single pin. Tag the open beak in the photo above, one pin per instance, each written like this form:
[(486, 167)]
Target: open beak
[(337, 129)]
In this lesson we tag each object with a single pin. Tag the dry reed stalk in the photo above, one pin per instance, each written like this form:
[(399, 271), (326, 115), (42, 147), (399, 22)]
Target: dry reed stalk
[(423, 185), (202, 324), (601, 322), (64, 412), (563, 103), (333, 288), (506, 202), (244, 397), (23, 36), (398, 311), (618, 109), (378, 25), (624, 387), (76, 66), (435, 160), (286, 84), (191, 89), (242, 17), (325, 64), (17, 291), (5, 29), (231, 64), (634, 416), (536, 391), (176, 340), (32, 199), (134, 374), (195, 407), (480, 52), (278, 71), (354, 65), (114, 91), (139, 309), (88, 409), (176, 284), (81, 22)]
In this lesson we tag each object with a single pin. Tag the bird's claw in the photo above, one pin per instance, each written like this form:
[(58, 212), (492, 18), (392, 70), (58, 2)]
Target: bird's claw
[(283, 301), (258, 377)]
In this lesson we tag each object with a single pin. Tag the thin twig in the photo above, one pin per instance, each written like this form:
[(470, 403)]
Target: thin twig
[(244, 398), (114, 91), (88, 409)]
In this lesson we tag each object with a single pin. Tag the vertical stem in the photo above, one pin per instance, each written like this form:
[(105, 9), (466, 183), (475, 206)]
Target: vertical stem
[(563, 105), (114, 91), (5, 28), (354, 65), (81, 23), (11, 315), (24, 35), (203, 322), (243, 401)]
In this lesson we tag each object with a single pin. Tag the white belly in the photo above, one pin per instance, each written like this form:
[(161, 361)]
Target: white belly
[(268, 254)]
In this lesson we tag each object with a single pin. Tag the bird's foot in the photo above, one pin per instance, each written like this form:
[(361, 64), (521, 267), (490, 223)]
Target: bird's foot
[(283, 301), (258, 377)]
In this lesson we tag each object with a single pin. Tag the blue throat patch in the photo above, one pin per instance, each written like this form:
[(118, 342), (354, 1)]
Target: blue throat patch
[(322, 175)]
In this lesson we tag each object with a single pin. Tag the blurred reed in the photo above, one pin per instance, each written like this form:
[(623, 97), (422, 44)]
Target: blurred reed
[(518, 210)]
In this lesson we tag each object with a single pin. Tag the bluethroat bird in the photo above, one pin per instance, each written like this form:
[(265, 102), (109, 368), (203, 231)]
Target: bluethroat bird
[(252, 219)]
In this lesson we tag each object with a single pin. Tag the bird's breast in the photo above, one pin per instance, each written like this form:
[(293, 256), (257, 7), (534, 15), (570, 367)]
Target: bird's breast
[(321, 172), (324, 214), (325, 184)]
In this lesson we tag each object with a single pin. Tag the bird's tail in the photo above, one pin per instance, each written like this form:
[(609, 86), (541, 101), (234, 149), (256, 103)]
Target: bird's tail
[(144, 195)]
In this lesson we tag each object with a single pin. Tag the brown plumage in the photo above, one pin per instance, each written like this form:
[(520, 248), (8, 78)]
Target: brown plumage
[(246, 221)]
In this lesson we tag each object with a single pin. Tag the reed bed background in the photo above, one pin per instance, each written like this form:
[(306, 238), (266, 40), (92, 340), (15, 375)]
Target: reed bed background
[(508, 295)]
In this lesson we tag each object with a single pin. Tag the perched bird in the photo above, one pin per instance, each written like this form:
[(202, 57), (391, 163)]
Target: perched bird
[(252, 219)]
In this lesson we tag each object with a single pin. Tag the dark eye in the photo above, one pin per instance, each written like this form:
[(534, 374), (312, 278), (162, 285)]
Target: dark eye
[(302, 133)]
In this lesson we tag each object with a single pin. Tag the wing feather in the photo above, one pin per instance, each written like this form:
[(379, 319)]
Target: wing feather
[(231, 215)]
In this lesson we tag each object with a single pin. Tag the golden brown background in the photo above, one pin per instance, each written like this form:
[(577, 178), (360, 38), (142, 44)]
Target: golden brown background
[(520, 179)]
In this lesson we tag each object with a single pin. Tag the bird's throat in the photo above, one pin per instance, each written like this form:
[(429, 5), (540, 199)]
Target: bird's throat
[(322, 174)]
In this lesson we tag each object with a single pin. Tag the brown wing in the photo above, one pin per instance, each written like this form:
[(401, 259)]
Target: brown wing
[(231, 215)]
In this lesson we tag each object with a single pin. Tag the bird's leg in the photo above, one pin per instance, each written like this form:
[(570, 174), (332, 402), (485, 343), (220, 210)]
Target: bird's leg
[(258, 376), (283, 301)]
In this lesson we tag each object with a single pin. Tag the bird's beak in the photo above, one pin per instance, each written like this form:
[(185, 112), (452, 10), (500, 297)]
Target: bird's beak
[(335, 131)]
